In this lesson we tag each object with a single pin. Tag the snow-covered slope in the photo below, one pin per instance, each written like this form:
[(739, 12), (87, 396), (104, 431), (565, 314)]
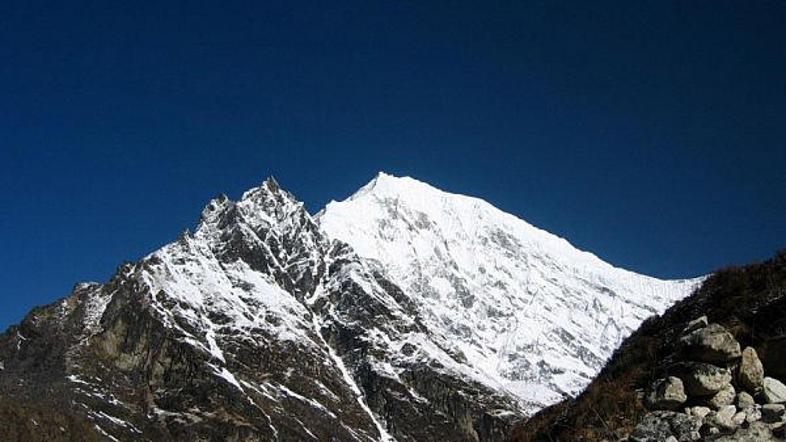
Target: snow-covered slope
[(529, 312)]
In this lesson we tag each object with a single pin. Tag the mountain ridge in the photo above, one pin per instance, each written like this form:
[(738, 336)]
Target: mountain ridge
[(259, 324)]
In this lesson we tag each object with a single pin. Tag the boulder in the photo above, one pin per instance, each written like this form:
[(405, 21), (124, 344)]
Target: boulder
[(745, 400), (698, 412), (705, 379), (752, 414), (659, 426), (694, 325), (722, 419), (750, 374), (713, 344), (739, 418), (772, 413), (773, 391), (666, 394), (756, 432), (722, 398)]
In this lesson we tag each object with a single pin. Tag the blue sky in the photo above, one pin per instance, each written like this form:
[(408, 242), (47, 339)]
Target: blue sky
[(651, 133)]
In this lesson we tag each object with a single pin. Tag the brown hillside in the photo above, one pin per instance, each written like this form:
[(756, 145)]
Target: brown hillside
[(750, 301)]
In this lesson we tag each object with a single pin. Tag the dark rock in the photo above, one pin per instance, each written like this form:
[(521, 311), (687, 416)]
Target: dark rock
[(773, 351), (772, 413), (695, 324)]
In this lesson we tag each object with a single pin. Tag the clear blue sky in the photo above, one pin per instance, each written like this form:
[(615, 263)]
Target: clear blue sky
[(651, 133)]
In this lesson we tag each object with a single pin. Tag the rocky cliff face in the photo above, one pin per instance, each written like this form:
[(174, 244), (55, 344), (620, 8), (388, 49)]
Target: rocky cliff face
[(260, 326), (254, 327)]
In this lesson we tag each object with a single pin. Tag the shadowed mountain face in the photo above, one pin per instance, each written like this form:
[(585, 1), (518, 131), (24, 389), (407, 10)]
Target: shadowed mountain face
[(265, 324)]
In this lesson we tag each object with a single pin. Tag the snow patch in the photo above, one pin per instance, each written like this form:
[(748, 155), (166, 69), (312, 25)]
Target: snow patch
[(384, 435)]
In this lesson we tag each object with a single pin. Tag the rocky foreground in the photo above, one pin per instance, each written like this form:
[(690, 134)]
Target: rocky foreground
[(710, 368), (718, 393)]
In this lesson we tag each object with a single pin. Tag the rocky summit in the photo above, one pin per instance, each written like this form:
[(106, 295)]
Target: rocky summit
[(404, 313)]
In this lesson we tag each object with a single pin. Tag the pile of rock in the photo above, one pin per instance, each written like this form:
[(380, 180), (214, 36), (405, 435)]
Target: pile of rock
[(716, 392)]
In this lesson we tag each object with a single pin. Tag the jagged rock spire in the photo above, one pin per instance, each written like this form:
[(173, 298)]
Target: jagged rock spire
[(272, 184)]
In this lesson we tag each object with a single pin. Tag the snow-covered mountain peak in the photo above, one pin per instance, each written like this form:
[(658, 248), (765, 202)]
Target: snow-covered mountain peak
[(403, 312), (386, 184), (426, 208), (269, 190), (272, 204), (526, 307)]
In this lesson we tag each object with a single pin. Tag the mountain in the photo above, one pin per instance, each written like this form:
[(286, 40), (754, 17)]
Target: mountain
[(737, 308), (532, 315), (402, 313)]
